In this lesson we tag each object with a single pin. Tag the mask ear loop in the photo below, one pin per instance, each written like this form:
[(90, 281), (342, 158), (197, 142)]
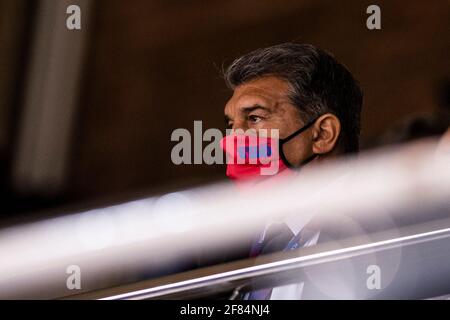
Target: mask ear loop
[(283, 141)]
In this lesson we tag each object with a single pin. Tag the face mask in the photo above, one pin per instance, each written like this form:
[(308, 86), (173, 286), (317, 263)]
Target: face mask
[(251, 156)]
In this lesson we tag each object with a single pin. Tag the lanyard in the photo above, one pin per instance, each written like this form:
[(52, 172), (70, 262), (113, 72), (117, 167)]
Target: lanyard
[(293, 244)]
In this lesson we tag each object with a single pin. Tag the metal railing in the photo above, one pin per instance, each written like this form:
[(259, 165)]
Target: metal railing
[(287, 268)]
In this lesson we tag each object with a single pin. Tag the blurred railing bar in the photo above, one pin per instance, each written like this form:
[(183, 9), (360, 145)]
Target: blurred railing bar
[(283, 269), (122, 243)]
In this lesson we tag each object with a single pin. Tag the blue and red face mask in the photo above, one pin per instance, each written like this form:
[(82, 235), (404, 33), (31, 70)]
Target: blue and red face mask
[(249, 156)]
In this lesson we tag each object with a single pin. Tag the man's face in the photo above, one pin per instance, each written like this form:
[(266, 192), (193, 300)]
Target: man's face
[(264, 104)]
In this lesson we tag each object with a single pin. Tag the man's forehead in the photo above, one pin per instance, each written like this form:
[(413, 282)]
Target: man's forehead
[(268, 91)]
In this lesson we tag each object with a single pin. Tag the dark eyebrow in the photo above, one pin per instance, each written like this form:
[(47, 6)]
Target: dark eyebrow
[(246, 110), (253, 108)]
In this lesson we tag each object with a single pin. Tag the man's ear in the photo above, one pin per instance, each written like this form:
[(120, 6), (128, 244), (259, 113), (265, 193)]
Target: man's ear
[(326, 131)]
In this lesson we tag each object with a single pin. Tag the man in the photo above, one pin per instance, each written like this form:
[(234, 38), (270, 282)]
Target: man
[(315, 103)]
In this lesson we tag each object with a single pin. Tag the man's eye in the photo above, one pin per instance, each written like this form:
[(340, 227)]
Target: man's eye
[(254, 119)]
